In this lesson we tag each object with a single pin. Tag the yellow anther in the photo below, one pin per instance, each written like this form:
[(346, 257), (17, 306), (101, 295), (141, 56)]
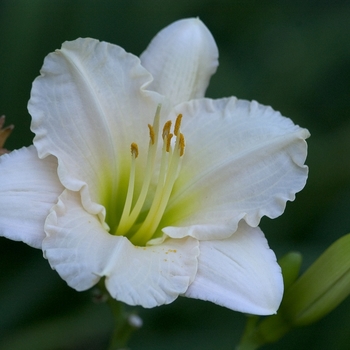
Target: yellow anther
[(166, 129), (168, 141), (151, 133), (181, 144), (134, 150), (177, 124)]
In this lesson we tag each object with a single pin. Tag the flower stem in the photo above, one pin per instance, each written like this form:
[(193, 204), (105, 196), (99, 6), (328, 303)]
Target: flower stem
[(125, 322), (250, 340), (122, 327), (259, 332)]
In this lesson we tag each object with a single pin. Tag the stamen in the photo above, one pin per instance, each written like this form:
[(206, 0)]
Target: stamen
[(170, 167), (134, 150), (128, 219), (166, 129), (151, 133), (131, 185), (168, 142), (181, 144), (177, 124), (170, 164)]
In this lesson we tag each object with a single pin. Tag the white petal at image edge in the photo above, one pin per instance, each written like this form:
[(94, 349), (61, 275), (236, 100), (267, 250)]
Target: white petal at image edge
[(29, 188)]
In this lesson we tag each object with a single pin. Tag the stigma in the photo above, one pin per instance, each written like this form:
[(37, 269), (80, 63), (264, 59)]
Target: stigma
[(172, 152)]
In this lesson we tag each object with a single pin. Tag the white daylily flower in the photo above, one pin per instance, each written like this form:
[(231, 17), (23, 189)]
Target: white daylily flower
[(178, 214)]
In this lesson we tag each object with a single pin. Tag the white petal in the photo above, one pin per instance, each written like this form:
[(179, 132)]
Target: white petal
[(29, 187), (88, 106), (81, 251), (182, 57), (242, 160), (239, 272)]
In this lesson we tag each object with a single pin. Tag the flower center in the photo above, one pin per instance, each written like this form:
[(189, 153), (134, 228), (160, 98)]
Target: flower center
[(170, 163)]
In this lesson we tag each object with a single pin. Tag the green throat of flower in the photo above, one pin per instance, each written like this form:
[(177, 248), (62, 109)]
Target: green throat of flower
[(170, 163)]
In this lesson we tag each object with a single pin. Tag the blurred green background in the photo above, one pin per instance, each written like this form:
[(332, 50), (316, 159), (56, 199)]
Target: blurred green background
[(292, 55)]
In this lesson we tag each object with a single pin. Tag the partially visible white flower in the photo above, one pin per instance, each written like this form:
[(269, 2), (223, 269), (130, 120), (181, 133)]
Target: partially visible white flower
[(176, 214)]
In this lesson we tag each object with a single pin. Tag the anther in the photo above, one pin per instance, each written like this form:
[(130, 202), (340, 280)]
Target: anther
[(134, 150), (181, 144), (177, 124), (166, 129), (168, 141), (151, 133)]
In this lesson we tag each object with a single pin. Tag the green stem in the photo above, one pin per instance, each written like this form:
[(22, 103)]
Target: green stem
[(250, 339), (125, 323), (259, 332), (122, 328)]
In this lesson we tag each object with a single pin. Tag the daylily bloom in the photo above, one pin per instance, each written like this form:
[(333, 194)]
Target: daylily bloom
[(112, 189)]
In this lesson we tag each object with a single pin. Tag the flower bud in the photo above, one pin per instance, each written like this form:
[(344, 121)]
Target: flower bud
[(321, 288), (290, 265)]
